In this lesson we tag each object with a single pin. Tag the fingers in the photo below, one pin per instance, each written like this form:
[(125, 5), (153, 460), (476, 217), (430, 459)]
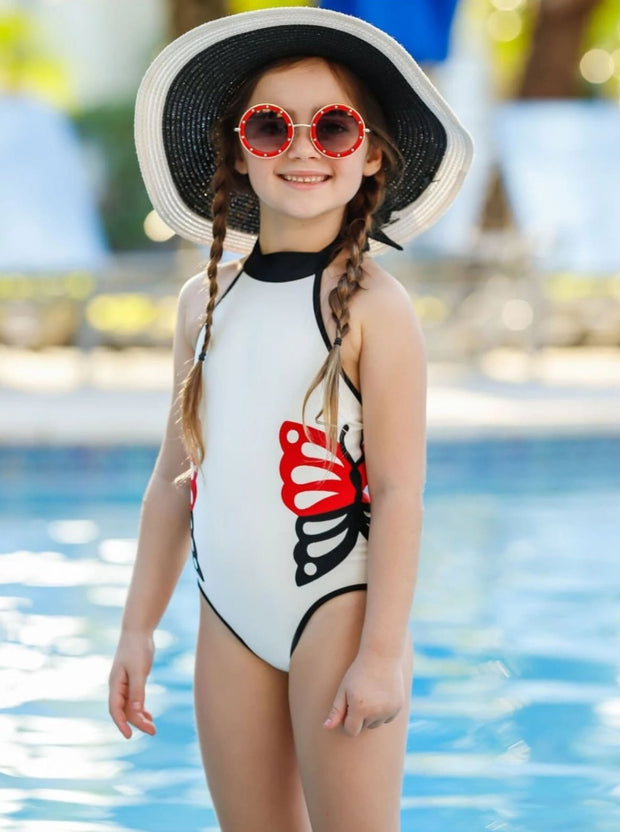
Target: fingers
[(116, 701), (352, 720), (126, 704), (140, 718), (356, 721), (136, 693), (353, 723), (136, 714), (337, 711), (355, 714)]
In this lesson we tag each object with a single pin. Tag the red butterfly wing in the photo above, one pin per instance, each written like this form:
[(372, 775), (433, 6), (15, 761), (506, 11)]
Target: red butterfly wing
[(331, 490)]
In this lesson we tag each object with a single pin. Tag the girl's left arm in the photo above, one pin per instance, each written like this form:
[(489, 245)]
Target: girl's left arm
[(393, 386)]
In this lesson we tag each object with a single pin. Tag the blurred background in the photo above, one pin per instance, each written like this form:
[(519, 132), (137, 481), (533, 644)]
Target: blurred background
[(527, 257), (515, 708)]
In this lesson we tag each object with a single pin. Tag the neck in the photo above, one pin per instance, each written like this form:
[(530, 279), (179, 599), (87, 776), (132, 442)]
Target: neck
[(297, 235)]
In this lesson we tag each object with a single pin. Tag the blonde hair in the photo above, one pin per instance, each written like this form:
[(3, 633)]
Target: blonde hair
[(358, 219)]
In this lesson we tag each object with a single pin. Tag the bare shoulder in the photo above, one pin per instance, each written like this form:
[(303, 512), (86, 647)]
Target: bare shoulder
[(194, 296), (384, 302), (196, 289)]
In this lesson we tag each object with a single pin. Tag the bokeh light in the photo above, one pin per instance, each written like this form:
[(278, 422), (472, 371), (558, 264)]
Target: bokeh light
[(504, 25), (597, 66), (123, 313), (432, 310), (508, 5), (127, 314), (156, 229), (517, 314)]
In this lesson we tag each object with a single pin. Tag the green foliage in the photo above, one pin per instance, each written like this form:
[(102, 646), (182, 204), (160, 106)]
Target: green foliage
[(604, 33), (16, 43), (604, 26), (124, 205), (24, 67), (236, 6), (510, 54)]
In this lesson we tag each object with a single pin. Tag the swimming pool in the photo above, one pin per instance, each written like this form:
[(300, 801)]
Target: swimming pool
[(515, 721)]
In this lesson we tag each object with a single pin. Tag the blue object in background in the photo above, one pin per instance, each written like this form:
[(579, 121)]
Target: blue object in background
[(423, 27), (49, 219), (560, 165)]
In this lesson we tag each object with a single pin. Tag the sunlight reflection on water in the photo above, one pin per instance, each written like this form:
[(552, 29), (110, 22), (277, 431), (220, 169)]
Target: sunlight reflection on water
[(515, 720)]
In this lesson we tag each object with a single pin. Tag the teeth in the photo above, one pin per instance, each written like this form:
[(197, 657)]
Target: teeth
[(309, 179)]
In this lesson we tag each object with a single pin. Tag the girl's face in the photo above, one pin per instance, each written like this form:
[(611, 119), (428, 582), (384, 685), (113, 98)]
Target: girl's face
[(302, 187)]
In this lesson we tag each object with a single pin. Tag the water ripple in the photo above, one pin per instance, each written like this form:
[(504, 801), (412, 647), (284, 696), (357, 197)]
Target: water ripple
[(515, 711)]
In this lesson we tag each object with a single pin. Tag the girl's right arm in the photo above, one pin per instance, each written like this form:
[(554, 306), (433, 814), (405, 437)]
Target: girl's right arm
[(163, 546)]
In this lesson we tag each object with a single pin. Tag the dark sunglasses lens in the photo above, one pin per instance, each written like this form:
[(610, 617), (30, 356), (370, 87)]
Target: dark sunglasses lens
[(337, 131), (266, 131)]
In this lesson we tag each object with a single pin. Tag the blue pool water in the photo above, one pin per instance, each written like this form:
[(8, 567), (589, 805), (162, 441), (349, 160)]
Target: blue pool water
[(515, 719)]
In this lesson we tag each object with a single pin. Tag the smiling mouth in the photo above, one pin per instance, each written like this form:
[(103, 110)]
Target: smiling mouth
[(306, 180)]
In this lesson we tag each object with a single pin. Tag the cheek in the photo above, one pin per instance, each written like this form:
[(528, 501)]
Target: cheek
[(258, 172), (354, 175)]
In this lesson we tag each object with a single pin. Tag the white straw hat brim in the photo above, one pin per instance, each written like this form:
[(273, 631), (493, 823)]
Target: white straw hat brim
[(189, 84)]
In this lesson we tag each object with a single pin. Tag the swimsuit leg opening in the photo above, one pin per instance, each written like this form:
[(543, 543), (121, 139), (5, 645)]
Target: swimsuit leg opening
[(223, 620), (311, 610)]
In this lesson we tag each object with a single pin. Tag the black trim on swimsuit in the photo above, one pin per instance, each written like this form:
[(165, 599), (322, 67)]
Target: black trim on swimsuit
[(311, 610), (232, 283), (284, 266), (302, 624), (223, 620)]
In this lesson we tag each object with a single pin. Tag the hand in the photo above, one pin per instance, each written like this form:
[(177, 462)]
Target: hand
[(131, 666), (371, 694)]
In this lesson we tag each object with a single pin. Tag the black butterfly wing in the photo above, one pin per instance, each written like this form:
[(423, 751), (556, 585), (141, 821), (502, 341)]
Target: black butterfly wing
[(325, 540)]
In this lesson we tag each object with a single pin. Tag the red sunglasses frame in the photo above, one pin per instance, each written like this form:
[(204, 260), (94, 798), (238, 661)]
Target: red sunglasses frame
[(290, 130)]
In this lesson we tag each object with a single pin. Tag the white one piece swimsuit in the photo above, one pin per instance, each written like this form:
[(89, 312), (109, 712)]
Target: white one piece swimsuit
[(274, 534)]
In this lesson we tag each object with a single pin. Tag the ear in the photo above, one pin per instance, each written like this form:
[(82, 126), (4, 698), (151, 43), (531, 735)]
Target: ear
[(374, 160), (241, 165)]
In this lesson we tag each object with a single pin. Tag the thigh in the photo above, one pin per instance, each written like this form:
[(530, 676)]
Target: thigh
[(245, 734), (349, 782)]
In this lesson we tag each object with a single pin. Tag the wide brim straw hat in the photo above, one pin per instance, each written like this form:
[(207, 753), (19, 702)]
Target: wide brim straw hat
[(190, 83)]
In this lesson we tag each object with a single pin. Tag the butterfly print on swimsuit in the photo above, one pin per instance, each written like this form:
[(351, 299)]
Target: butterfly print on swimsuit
[(193, 488), (332, 507)]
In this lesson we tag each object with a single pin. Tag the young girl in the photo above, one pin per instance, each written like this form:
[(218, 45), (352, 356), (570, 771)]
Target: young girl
[(302, 137)]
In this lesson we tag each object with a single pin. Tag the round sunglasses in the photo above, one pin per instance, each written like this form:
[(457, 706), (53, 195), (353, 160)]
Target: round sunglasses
[(336, 130)]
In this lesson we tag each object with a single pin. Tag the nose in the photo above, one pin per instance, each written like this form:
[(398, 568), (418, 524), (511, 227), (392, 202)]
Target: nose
[(302, 143)]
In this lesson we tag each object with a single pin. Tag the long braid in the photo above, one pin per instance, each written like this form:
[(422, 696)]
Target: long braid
[(191, 392), (354, 236)]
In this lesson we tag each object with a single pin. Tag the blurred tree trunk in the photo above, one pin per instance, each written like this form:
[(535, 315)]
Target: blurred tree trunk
[(185, 14), (550, 72), (551, 68)]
